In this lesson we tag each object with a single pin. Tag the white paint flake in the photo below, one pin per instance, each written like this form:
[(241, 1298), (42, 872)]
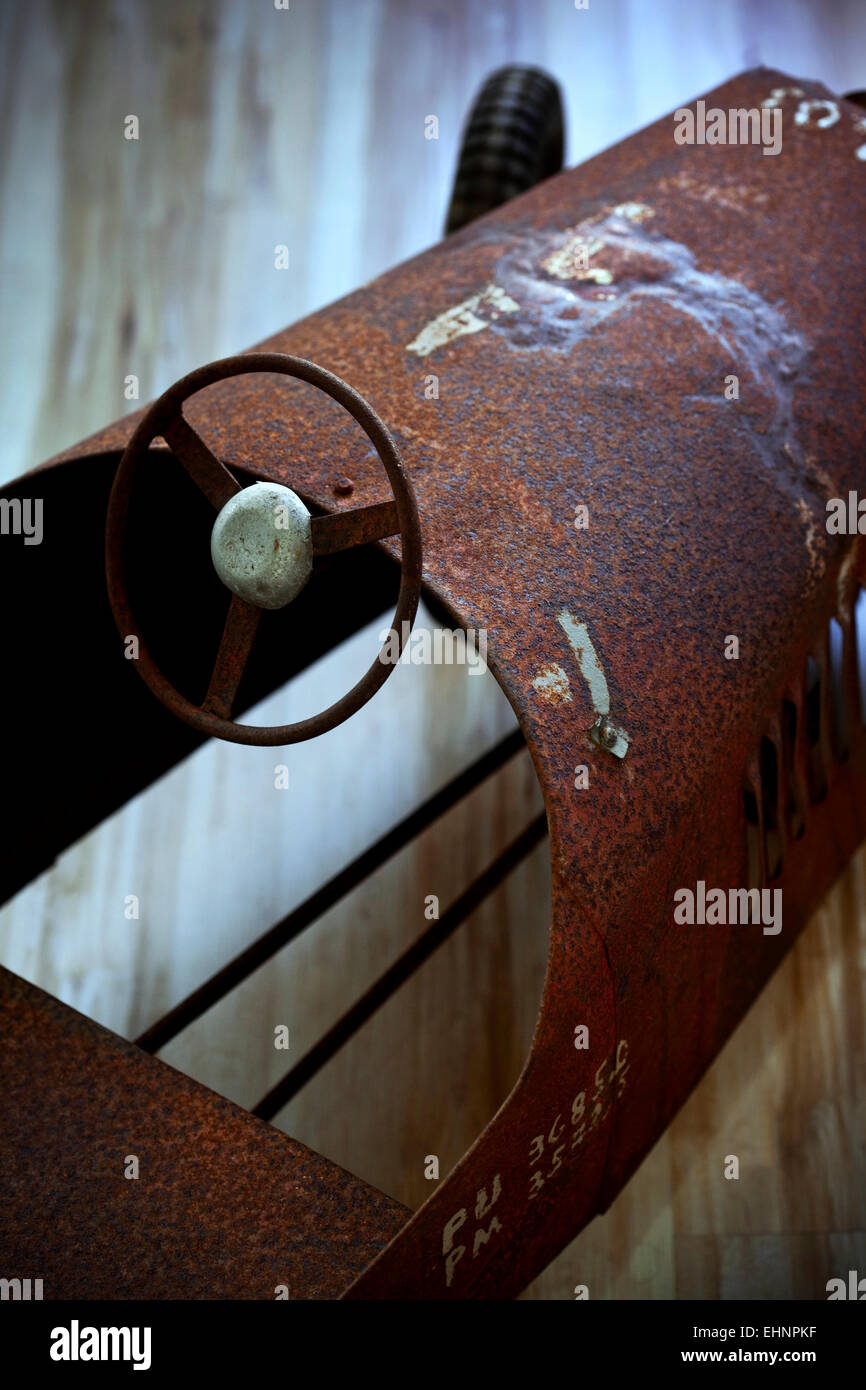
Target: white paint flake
[(474, 314), (587, 659), (635, 212), (552, 684)]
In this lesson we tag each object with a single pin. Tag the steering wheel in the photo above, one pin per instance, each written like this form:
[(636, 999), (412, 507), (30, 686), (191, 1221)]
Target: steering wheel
[(263, 545)]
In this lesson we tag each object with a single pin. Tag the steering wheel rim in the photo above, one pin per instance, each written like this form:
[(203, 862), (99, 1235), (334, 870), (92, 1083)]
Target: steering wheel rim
[(165, 418)]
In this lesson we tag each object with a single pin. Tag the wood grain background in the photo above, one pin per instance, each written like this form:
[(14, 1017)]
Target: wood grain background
[(304, 127)]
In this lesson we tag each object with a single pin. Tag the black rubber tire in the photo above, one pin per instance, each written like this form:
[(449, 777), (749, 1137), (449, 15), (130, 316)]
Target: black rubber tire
[(513, 139)]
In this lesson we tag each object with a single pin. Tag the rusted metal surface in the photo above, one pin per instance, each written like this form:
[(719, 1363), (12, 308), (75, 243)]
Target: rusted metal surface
[(224, 1206), (579, 342), (331, 534)]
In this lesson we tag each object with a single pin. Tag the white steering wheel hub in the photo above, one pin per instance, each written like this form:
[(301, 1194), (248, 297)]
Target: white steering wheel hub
[(262, 546)]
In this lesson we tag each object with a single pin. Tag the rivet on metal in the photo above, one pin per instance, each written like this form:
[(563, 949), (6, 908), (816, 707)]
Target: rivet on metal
[(609, 736)]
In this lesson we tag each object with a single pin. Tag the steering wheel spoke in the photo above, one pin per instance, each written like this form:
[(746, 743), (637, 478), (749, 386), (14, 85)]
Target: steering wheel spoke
[(242, 623), (343, 530), (263, 545), (209, 475)]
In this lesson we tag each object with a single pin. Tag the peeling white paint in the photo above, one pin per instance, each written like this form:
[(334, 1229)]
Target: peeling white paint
[(587, 659), (635, 212), (815, 542), (571, 260), (806, 109), (552, 684), (474, 314), (778, 94)]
